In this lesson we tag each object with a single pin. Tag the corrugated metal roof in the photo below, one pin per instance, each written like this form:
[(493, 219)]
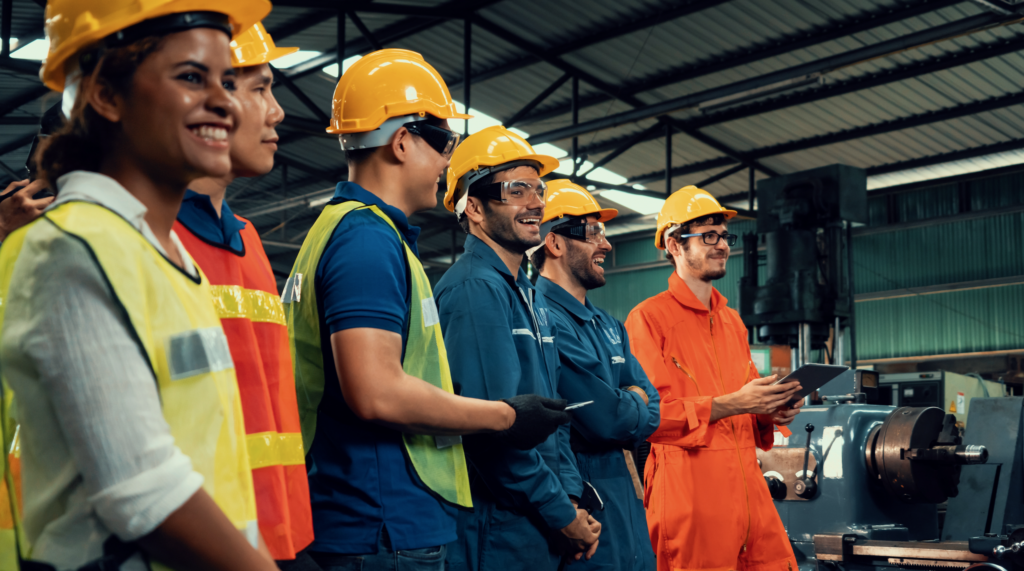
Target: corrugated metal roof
[(721, 32)]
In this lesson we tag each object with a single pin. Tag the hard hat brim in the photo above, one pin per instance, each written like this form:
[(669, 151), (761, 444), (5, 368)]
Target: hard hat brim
[(606, 214), (268, 57)]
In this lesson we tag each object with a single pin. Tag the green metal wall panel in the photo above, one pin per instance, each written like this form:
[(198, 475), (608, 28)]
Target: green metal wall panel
[(945, 253), (622, 292), (636, 251), (989, 319)]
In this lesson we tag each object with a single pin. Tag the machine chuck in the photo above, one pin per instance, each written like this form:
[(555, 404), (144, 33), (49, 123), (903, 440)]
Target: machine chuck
[(916, 454)]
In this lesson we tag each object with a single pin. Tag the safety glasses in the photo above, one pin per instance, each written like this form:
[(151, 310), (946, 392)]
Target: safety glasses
[(521, 192), (712, 238), (590, 233), (441, 140)]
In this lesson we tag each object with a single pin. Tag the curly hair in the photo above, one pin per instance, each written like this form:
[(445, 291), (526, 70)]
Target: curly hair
[(84, 140)]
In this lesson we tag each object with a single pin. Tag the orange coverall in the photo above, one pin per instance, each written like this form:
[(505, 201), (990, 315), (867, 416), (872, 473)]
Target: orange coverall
[(707, 503)]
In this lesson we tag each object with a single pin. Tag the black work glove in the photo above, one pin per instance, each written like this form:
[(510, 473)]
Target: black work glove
[(536, 419)]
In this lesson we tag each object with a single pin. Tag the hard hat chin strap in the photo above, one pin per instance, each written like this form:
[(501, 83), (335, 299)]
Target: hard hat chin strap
[(379, 136)]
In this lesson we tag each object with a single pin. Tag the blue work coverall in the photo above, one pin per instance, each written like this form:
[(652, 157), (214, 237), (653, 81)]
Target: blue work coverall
[(500, 344), (597, 365)]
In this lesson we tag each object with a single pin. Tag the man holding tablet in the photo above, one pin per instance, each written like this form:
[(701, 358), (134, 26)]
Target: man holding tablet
[(707, 504)]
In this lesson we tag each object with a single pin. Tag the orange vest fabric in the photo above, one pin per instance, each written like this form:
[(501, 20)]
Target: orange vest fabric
[(707, 503), (247, 301)]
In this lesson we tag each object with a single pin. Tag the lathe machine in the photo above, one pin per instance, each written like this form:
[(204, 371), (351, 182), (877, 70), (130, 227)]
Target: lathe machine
[(860, 486)]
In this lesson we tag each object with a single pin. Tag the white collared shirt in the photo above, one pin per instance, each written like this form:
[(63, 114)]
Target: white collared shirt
[(97, 455), (87, 186)]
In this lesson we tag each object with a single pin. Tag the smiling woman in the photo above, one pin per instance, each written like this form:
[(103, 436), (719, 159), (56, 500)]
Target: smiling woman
[(106, 306)]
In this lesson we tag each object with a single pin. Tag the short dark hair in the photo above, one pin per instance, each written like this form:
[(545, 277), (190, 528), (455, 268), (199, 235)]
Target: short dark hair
[(539, 257), (709, 220)]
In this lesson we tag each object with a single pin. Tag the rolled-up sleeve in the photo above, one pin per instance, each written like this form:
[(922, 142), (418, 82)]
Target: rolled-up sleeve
[(104, 394), (475, 319), (684, 420)]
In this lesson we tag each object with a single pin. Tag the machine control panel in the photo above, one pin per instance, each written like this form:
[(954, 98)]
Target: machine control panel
[(790, 473)]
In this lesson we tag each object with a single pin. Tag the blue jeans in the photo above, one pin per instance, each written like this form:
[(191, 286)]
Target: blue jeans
[(386, 559)]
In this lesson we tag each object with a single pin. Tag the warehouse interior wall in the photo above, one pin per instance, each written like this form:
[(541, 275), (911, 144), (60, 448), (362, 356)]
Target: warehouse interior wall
[(938, 270)]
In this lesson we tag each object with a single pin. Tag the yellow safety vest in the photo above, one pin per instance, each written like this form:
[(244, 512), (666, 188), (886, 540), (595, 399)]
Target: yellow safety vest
[(443, 470), (178, 329)]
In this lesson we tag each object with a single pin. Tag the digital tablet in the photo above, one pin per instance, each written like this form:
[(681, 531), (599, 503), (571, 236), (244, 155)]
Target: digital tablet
[(811, 378)]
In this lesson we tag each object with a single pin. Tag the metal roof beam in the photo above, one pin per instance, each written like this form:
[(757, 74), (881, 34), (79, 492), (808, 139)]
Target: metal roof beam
[(839, 88), (388, 34), (300, 95), (783, 45), (575, 72), (918, 120), (17, 144), (824, 65), (612, 31), (434, 12), (1011, 145), (537, 100), (724, 174)]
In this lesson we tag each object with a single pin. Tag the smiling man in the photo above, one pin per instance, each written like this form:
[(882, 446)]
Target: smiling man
[(502, 344), (379, 417), (597, 366), (228, 250), (707, 504)]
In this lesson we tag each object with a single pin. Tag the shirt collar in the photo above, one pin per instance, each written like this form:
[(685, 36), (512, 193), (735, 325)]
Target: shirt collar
[(685, 296), (87, 186), (477, 247), (557, 294), (96, 188), (198, 215), (352, 191)]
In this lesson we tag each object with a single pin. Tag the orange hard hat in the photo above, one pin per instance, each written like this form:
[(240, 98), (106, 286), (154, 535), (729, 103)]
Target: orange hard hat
[(566, 198), (387, 84), (74, 25), (490, 147), (687, 203), (254, 46)]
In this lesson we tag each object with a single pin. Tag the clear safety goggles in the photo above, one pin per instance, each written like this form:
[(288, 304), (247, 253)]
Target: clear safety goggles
[(590, 233), (521, 192)]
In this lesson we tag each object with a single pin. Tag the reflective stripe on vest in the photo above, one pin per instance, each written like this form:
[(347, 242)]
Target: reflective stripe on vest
[(245, 297), (179, 333), (442, 470)]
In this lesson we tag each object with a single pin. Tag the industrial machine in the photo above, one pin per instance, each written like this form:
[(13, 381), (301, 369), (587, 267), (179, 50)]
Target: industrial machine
[(859, 486), (949, 391), (805, 220)]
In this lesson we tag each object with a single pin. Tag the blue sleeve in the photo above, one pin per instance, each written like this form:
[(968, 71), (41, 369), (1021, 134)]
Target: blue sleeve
[(617, 415), (633, 374), (476, 320), (568, 470), (361, 278)]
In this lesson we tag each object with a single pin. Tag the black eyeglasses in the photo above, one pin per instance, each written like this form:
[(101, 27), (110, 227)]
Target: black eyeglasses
[(711, 238), (440, 139)]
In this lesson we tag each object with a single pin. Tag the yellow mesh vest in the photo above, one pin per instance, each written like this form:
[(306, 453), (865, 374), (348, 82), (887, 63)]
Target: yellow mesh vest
[(177, 327), (443, 470)]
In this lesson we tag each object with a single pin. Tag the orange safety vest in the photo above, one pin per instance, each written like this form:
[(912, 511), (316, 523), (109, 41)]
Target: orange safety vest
[(247, 301), (708, 506)]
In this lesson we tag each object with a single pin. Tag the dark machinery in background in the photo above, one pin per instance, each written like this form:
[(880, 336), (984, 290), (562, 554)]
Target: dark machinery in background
[(860, 488), (805, 219)]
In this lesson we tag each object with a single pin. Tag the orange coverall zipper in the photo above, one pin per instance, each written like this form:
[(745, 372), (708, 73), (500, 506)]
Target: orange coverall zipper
[(735, 437)]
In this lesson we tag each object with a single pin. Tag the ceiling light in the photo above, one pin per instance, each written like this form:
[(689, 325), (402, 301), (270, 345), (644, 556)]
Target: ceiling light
[(35, 50), (332, 70), (292, 60)]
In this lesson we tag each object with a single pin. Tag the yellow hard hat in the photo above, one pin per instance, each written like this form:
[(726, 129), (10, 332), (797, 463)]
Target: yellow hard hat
[(490, 147), (565, 198), (254, 46), (73, 25), (385, 84), (687, 203)]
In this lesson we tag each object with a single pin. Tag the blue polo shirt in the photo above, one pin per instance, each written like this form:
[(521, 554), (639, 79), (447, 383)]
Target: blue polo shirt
[(359, 478), (198, 215)]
